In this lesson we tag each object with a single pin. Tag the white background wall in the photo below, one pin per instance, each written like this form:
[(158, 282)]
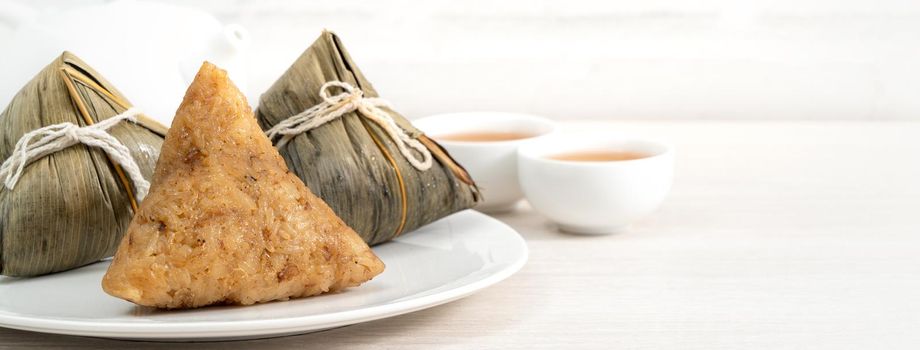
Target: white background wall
[(663, 59)]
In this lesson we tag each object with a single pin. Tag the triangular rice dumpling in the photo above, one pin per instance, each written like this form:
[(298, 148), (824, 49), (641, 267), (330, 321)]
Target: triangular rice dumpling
[(225, 222), (351, 163), (71, 207)]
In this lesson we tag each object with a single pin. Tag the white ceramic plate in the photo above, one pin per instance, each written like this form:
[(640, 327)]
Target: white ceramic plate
[(441, 262)]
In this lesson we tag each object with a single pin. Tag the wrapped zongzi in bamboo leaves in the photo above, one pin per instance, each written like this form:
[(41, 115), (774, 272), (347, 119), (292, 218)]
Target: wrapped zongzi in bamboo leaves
[(76, 159), (380, 174)]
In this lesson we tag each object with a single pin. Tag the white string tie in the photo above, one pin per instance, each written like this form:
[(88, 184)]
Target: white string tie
[(53, 138), (352, 99)]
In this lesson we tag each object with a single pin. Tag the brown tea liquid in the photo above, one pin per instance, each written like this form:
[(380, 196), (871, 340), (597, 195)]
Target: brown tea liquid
[(599, 156), (484, 136)]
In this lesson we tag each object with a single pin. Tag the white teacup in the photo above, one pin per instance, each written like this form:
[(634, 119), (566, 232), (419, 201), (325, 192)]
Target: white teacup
[(492, 164), (595, 197)]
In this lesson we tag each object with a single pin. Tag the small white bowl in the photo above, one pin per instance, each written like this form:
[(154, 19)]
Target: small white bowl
[(597, 197), (492, 164)]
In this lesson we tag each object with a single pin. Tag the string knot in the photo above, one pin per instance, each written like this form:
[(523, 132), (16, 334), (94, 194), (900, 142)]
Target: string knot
[(71, 132), (349, 100), (53, 138), (350, 92)]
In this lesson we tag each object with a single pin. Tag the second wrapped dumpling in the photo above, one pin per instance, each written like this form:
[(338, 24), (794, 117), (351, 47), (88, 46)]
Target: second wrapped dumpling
[(378, 172)]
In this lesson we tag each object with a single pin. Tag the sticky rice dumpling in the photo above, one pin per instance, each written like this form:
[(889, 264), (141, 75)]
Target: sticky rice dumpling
[(352, 162), (225, 222), (71, 206)]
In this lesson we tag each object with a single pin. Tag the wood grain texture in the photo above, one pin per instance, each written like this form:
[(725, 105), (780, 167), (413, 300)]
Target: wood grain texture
[(776, 236)]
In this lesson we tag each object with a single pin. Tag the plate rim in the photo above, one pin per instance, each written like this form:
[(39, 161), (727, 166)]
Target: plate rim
[(267, 327)]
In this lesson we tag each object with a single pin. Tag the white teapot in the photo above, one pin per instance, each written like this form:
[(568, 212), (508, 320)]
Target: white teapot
[(149, 51)]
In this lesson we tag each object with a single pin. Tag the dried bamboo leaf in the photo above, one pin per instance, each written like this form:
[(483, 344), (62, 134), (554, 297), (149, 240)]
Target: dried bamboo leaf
[(71, 207), (351, 163)]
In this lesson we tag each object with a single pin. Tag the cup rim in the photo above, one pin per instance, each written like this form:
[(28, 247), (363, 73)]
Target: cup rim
[(530, 152), (544, 122)]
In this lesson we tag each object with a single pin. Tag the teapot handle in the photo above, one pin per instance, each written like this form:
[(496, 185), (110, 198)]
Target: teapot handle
[(13, 13), (235, 38)]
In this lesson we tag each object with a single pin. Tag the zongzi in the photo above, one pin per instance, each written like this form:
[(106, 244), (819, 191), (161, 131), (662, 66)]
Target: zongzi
[(75, 167), (226, 222), (381, 175)]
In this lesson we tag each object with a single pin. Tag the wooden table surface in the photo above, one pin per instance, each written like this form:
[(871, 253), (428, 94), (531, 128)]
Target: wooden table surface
[(775, 236)]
